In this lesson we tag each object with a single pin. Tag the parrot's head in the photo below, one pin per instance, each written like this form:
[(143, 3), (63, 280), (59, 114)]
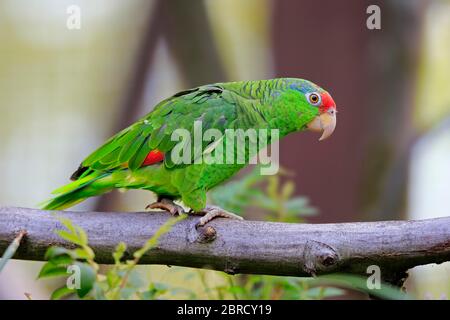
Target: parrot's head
[(317, 107)]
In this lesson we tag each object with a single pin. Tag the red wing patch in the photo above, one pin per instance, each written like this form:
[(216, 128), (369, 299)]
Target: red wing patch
[(153, 157)]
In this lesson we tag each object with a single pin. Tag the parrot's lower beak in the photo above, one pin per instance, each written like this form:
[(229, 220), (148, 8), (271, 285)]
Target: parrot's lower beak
[(325, 123)]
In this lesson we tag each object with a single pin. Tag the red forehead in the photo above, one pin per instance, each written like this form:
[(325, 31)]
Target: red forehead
[(327, 102)]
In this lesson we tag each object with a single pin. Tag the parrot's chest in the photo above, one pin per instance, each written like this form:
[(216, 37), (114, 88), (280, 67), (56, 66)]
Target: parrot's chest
[(215, 174)]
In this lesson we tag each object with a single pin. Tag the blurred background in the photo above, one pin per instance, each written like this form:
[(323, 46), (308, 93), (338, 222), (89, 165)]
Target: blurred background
[(65, 88)]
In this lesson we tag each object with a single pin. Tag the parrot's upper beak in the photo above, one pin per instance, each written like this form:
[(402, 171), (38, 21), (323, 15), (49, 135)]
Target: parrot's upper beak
[(325, 123)]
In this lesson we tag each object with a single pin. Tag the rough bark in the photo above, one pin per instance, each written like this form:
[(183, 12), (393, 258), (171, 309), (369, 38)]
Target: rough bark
[(233, 246)]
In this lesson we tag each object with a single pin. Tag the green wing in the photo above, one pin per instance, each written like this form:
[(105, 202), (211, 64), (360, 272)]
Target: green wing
[(214, 105)]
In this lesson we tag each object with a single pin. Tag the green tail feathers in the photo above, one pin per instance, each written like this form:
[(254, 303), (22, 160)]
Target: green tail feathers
[(77, 191)]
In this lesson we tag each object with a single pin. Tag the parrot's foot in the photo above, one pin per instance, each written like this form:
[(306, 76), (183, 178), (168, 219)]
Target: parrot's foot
[(211, 212), (167, 205)]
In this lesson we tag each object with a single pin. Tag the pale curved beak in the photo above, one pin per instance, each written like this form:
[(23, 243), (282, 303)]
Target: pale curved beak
[(325, 123)]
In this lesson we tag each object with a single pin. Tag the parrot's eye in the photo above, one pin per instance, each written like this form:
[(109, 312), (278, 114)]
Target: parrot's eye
[(314, 98)]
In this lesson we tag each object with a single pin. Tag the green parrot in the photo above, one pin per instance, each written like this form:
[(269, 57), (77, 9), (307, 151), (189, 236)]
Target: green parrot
[(142, 156)]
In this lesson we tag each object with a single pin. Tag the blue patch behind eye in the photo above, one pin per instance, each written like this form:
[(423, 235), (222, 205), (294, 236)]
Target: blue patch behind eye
[(304, 87)]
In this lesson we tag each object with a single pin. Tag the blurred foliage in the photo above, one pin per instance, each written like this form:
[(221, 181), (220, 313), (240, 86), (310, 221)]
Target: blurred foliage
[(276, 199), (261, 287), (432, 94), (123, 281), (262, 192)]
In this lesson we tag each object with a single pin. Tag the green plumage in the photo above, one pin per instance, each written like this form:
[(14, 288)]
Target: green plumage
[(266, 104)]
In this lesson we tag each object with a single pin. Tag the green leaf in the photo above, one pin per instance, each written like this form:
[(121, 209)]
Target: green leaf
[(87, 280), (236, 290), (56, 251), (119, 252), (82, 236), (50, 269), (62, 260), (70, 237), (68, 224), (272, 187), (84, 253), (263, 202), (153, 241), (287, 190), (61, 293), (112, 278), (299, 206), (74, 234)]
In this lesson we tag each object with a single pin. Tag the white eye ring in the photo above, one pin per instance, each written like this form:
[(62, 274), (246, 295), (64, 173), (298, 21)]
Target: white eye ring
[(314, 98)]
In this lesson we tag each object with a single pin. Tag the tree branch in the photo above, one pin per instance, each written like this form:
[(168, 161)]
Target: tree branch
[(243, 246)]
